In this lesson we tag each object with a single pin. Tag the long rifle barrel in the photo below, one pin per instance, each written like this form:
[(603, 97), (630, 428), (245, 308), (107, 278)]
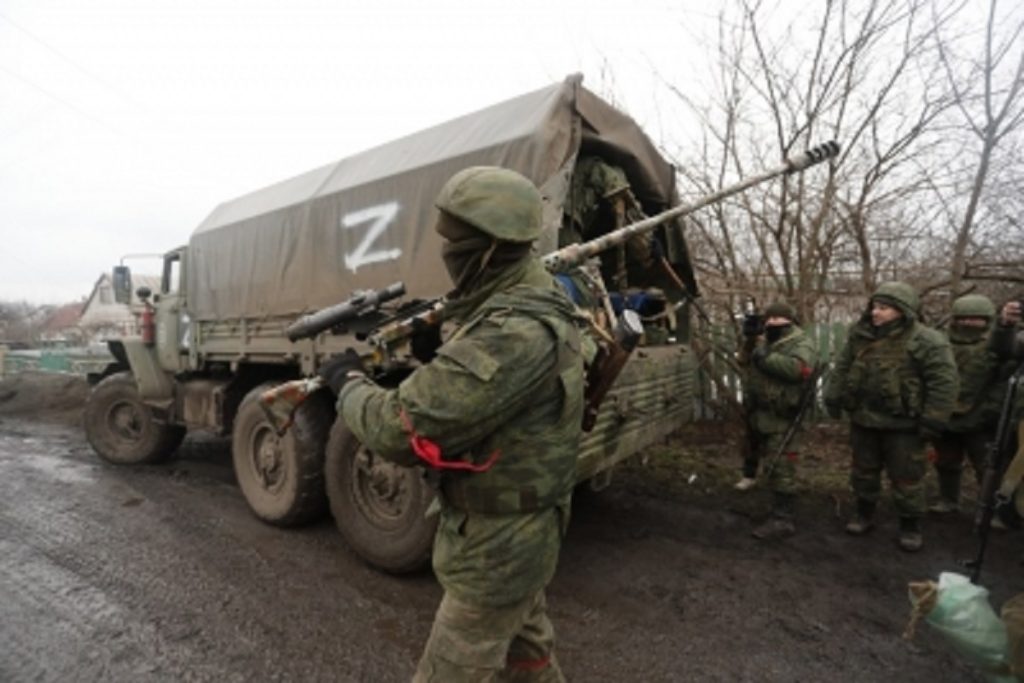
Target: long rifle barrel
[(358, 304), (572, 255)]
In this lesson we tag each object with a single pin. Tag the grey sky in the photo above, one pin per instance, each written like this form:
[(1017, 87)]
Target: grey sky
[(124, 122)]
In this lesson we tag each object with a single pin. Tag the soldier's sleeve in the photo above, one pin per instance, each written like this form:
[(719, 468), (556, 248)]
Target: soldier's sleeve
[(472, 387), (1006, 342), (373, 415), (793, 365), (941, 380)]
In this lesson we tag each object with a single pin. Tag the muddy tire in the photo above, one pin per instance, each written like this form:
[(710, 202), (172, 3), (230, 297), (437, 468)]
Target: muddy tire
[(379, 507), (282, 477), (122, 429)]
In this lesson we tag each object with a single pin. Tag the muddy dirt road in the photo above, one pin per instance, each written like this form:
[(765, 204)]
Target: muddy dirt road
[(161, 573)]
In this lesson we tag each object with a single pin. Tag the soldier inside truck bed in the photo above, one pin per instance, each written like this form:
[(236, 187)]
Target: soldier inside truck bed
[(636, 272)]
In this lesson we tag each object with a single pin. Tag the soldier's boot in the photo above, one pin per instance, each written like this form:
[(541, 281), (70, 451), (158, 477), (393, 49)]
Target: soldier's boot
[(749, 478), (780, 522), (861, 522), (911, 539), (949, 493), (745, 484)]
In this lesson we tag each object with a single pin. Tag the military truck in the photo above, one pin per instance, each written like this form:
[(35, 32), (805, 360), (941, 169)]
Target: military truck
[(213, 337)]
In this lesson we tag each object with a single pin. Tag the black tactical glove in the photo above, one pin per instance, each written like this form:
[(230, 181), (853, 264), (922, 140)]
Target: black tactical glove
[(425, 342), (338, 370), (753, 325)]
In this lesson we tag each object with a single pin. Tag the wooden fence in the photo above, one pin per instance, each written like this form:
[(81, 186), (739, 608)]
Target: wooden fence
[(719, 374)]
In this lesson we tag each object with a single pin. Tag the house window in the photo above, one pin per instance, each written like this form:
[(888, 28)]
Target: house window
[(106, 295)]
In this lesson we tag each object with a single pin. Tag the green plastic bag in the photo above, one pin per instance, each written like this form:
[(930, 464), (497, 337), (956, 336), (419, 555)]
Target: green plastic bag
[(962, 613)]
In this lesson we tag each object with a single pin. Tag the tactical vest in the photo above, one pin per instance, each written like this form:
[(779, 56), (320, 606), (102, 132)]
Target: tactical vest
[(883, 384), (981, 385), (536, 465)]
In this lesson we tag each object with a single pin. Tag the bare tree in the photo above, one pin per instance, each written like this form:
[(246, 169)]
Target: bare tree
[(868, 77), (987, 94)]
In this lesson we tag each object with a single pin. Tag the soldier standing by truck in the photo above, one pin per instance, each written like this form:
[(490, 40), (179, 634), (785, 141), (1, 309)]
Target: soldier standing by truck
[(496, 415), (778, 368), (897, 379), (982, 383)]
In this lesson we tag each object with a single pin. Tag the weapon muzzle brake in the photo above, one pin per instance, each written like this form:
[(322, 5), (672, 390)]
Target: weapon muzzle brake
[(815, 155)]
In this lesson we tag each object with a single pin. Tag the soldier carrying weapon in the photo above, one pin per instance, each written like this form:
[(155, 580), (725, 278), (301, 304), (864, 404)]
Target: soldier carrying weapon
[(780, 362)]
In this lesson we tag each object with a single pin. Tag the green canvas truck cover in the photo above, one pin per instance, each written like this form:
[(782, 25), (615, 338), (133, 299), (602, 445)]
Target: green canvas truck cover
[(365, 221)]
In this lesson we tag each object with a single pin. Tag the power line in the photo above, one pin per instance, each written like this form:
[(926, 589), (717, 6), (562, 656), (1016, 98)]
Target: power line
[(67, 59), (60, 99)]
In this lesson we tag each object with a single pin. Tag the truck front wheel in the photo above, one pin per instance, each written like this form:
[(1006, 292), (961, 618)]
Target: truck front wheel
[(378, 506), (122, 429), (282, 477)]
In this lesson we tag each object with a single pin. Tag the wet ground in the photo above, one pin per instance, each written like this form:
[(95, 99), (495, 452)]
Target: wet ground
[(161, 573)]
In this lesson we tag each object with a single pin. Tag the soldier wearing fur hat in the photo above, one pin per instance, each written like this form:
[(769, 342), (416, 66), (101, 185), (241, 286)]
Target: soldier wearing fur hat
[(897, 380), (778, 364)]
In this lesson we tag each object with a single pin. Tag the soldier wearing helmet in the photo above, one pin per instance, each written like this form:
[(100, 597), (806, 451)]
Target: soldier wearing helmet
[(897, 380), (778, 367), (601, 200), (497, 416), (982, 377)]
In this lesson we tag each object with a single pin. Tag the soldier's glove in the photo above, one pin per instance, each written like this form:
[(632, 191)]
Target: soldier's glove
[(753, 325), (930, 429), (341, 369), (425, 342)]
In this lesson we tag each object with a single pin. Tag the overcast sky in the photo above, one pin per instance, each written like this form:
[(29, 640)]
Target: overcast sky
[(123, 123)]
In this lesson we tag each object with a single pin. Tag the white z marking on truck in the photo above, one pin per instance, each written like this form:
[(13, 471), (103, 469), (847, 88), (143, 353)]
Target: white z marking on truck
[(379, 217)]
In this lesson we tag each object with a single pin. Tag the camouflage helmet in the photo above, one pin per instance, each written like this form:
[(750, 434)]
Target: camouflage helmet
[(497, 201), (899, 295), (781, 309), (974, 306)]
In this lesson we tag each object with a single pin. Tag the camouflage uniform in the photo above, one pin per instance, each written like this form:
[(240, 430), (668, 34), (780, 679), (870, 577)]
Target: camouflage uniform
[(777, 371), (504, 396), (601, 200), (982, 376), (898, 382)]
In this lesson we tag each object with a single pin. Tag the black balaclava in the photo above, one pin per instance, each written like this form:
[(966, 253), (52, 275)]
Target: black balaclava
[(773, 333)]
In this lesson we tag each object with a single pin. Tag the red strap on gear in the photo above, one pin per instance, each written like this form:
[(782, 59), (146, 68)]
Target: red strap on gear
[(430, 452), (532, 665), (805, 371)]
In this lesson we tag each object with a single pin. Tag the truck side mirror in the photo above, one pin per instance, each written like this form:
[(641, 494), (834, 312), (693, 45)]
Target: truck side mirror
[(122, 282)]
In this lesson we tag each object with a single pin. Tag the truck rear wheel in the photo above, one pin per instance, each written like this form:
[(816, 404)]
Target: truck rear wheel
[(282, 477), (122, 429), (378, 506)]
